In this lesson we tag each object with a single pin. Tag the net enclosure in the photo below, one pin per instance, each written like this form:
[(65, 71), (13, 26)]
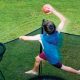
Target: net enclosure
[(20, 56)]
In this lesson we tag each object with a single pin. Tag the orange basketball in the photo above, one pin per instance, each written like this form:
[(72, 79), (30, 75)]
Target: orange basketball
[(45, 8)]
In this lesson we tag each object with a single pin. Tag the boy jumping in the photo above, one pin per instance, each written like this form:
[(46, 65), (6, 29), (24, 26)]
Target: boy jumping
[(49, 40)]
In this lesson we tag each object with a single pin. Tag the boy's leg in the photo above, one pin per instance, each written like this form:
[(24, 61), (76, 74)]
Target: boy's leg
[(34, 71), (37, 63), (66, 68), (69, 69), (38, 59)]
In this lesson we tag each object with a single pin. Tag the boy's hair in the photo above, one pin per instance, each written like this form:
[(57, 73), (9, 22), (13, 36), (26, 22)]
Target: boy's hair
[(48, 26)]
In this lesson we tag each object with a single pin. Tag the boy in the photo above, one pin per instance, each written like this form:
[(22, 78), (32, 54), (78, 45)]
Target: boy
[(49, 40)]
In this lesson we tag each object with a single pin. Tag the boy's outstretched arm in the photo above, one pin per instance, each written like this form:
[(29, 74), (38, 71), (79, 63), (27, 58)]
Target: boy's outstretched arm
[(59, 15), (35, 37)]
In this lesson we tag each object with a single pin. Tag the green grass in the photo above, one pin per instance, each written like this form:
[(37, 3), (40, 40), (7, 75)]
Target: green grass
[(21, 17)]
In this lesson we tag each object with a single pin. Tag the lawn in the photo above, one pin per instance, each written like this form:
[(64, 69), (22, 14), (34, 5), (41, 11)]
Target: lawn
[(19, 17)]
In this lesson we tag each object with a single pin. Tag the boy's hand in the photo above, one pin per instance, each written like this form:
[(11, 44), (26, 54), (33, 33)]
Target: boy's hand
[(21, 37)]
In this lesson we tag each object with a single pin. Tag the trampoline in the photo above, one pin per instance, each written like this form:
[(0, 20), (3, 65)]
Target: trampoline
[(47, 77)]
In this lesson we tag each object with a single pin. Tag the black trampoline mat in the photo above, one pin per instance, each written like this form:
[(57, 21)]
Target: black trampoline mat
[(46, 77)]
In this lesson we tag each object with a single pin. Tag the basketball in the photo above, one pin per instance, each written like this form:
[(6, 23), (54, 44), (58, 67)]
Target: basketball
[(45, 8)]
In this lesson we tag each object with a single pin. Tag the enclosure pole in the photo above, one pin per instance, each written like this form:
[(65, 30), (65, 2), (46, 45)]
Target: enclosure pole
[(40, 66)]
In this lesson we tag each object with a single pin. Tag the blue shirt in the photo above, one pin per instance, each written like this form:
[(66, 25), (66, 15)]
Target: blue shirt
[(50, 44)]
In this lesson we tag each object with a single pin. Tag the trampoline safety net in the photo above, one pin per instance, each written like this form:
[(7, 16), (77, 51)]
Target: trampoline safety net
[(20, 56)]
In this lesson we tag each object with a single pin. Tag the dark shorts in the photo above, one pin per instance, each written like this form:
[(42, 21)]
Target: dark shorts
[(42, 56)]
